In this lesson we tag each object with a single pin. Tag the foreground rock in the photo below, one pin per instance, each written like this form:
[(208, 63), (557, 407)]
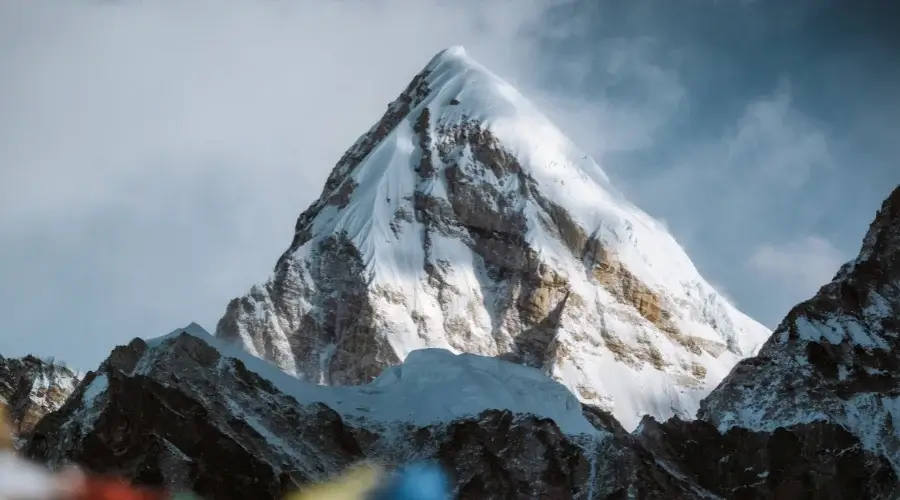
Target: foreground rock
[(835, 358), (816, 460), (31, 388)]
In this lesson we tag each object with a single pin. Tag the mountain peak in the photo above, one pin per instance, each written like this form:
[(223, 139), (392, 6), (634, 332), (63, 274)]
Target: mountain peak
[(452, 54), (465, 220)]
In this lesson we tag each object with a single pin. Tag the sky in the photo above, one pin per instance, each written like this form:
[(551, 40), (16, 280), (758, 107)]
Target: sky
[(154, 156)]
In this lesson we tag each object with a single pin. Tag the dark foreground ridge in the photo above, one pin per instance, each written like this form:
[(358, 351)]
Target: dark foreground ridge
[(199, 420)]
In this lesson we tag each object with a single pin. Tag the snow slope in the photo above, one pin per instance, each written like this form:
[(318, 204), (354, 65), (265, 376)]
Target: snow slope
[(464, 220), (432, 386)]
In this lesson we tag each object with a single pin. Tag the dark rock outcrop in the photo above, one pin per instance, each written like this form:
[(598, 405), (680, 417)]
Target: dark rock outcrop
[(816, 460), (30, 388), (189, 419), (835, 357)]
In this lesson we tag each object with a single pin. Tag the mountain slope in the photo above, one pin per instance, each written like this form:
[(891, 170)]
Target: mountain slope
[(31, 388), (835, 357), (465, 220)]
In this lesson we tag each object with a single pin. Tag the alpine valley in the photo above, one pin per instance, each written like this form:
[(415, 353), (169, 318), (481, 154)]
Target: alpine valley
[(470, 288)]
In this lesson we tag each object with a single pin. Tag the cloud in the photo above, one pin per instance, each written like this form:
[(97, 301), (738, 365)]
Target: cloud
[(751, 169), (778, 142), (177, 89), (631, 95), (802, 265)]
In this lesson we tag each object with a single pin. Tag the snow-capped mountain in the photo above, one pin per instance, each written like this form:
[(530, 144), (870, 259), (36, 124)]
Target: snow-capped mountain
[(812, 416), (460, 239), (834, 358), (465, 220), (31, 388)]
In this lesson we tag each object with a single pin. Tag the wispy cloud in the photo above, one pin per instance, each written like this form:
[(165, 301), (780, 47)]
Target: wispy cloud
[(747, 173), (179, 89), (631, 96), (777, 142), (799, 267)]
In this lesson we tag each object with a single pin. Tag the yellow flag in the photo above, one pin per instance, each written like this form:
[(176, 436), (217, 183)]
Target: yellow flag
[(352, 485)]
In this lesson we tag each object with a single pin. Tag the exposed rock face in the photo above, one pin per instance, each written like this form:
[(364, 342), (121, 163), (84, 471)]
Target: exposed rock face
[(188, 420), (31, 388), (183, 413), (464, 220), (835, 357), (817, 460)]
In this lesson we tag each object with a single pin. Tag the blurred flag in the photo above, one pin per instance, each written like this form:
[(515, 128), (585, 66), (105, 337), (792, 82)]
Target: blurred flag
[(352, 485), (420, 481)]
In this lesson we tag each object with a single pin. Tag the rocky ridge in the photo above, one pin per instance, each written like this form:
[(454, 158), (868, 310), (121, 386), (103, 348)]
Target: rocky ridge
[(465, 220), (835, 357), (186, 412)]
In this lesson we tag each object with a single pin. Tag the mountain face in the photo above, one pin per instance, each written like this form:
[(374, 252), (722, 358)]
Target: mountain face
[(835, 357), (190, 411), (31, 388), (465, 220)]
